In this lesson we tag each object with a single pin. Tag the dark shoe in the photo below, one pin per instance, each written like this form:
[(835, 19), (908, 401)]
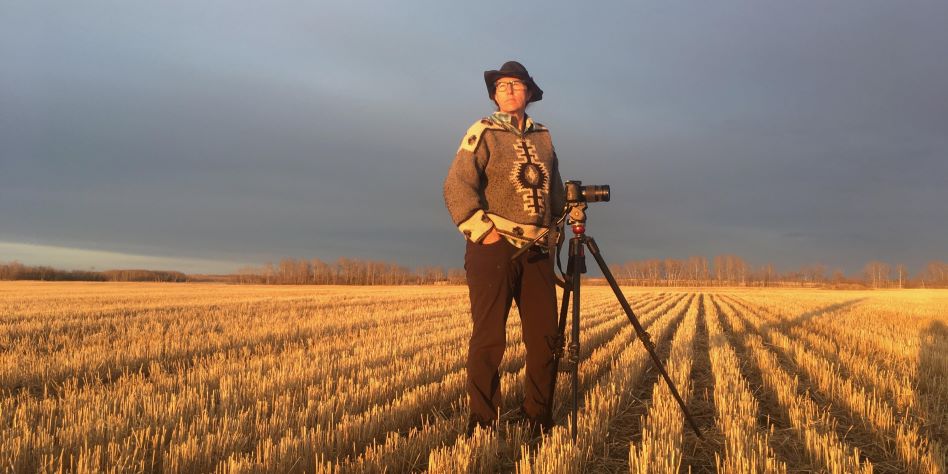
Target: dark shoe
[(536, 425), (539, 427), (474, 422)]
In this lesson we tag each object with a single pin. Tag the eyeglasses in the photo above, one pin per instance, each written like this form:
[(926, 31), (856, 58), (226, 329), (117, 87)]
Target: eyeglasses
[(515, 86)]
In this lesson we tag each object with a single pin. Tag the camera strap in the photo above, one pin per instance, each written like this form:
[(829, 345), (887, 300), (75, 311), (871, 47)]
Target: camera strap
[(556, 240)]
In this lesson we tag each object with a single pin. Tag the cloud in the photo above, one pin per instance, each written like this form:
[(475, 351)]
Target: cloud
[(234, 131), (69, 258)]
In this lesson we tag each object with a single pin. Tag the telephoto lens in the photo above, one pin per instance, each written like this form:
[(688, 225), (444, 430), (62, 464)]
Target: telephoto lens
[(576, 192), (596, 193)]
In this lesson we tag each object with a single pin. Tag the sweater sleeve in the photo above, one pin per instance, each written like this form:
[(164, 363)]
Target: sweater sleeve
[(463, 187), (557, 191)]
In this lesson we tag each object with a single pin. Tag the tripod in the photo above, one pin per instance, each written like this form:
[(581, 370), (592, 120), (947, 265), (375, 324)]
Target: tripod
[(575, 267)]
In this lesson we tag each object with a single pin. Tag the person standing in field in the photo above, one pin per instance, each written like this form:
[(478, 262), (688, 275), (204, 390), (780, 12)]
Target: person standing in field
[(502, 190)]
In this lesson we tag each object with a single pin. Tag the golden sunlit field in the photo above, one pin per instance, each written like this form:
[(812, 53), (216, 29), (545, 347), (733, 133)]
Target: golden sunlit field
[(136, 377)]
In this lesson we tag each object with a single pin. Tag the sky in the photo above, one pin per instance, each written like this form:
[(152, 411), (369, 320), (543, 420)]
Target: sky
[(205, 136)]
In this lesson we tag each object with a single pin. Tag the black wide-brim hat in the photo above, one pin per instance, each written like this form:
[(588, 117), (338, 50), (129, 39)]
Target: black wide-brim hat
[(512, 69)]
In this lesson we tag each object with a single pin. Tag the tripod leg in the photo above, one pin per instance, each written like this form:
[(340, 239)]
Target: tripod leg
[(556, 345), (564, 309), (639, 330), (579, 259)]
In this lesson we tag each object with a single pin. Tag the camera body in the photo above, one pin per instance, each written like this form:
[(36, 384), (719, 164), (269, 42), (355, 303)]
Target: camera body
[(576, 192)]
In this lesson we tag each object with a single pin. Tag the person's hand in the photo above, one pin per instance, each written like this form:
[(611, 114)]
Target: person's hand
[(491, 237)]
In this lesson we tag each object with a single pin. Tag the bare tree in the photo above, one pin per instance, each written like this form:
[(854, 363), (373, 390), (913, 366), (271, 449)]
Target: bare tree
[(653, 271), (902, 273), (720, 275), (813, 273), (768, 274), (877, 273), (838, 276), (674, 271), (698, 269), (935, 274)]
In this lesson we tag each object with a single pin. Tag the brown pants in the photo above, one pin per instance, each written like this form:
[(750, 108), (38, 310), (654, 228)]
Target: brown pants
[(494, 281)]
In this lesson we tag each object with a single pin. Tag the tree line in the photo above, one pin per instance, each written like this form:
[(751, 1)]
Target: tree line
[(345, 271), (18, 271), (732, 270), (721, 270)]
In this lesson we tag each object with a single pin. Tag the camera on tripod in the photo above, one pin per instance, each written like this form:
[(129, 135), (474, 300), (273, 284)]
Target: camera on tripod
[(577, 196), (576, 192)]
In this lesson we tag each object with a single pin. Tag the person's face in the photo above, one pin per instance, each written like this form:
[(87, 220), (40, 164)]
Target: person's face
[(511, 95)]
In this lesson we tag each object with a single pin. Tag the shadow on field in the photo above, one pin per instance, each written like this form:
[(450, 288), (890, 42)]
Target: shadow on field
[(932, 372), (820, 312), (803, 317)]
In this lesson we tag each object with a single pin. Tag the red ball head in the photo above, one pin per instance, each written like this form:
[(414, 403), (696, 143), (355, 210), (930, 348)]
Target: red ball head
[(579, 229)]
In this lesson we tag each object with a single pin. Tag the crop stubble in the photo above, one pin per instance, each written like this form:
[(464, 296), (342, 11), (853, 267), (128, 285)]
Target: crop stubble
[(127, 377)]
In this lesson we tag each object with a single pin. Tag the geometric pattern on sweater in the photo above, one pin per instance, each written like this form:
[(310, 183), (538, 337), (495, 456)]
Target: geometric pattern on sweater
[(530, 177), (504, 178)]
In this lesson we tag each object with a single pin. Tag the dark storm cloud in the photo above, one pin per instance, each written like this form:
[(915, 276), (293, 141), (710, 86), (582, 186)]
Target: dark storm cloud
[(789, 133)]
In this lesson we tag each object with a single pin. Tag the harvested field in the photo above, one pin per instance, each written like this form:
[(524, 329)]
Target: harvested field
[(136, 377)]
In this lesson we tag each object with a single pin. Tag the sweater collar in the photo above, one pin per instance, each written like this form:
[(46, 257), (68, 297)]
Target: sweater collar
[(509, 122)]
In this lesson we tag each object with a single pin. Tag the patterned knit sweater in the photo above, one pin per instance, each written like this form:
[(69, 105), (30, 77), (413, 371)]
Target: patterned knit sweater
[(504, 179)]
